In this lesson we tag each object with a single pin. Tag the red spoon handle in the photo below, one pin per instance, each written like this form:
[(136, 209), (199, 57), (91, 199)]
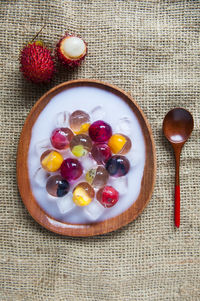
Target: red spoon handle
[(177, 206)]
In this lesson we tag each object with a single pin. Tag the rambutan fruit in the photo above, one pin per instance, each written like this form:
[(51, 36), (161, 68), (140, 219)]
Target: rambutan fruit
[(37, 63), (71, 50)]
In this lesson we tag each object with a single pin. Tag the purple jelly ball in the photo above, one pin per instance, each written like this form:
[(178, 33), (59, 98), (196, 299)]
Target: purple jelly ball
[(118, 166), (101, 153), (100, 131), (71, 169)]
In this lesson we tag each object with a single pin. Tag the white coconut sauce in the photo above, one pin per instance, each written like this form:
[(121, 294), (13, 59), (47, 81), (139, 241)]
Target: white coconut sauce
[(119, 115)]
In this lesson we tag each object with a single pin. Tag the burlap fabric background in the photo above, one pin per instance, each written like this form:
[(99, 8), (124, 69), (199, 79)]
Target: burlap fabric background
[(150, 49)]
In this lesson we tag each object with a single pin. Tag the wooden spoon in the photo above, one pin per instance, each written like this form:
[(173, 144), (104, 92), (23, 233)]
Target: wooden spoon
[(177, 127)]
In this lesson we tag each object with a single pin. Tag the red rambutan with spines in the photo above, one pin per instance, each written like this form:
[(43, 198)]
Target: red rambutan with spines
[(37, 63)]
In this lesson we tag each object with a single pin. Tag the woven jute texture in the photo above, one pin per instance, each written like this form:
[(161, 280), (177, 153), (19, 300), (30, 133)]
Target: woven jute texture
[(151, 50)]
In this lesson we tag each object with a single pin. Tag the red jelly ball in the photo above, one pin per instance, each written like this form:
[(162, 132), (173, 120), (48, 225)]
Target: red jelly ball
[(100, 131), (61, 137), (107, 196), (101, 153), (71, 169)]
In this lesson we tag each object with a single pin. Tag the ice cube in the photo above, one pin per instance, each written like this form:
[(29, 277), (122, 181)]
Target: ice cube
[(124, 126), (120, 184), (97, 113), (42, 146), (65, 204), (88, 162), (62, 119), (94, 210), (41, 177)]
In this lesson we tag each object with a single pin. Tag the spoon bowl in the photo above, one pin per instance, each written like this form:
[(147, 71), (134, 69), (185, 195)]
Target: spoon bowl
[(177, 127)]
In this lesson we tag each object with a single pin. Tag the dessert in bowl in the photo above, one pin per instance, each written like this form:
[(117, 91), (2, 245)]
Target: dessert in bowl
[(88, 153)]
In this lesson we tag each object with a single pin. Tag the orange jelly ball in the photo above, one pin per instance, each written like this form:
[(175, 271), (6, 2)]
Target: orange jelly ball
[(119, 144)]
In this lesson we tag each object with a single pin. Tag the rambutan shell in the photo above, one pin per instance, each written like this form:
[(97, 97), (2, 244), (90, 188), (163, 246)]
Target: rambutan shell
[(37, 63)]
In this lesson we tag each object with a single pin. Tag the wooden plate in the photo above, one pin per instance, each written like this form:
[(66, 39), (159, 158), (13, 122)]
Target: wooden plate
[(111, 224)]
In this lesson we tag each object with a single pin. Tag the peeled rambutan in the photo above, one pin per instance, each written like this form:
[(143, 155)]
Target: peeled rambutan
[(71, 50), (37, 63)]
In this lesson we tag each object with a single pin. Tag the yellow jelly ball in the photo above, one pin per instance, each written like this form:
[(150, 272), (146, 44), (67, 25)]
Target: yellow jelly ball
[(80, 197), (79, 151), (90, 175), (116, 143), (83, 129), (51, 161)]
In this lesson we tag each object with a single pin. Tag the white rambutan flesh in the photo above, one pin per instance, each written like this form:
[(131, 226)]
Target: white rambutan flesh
[(73, 47)]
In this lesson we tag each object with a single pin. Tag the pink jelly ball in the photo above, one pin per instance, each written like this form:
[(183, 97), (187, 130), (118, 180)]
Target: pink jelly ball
[(61, 137), (101, 153), (100, 131), (71, 169), (108, 196)]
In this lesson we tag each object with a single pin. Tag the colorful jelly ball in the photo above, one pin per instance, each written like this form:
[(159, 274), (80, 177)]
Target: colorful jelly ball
[(80, 145), (71, 169), (79, 122), (61, 137), (108, 196), (101, 153), (51, 160), (97, 177), (118, 166), (100, 131), (83, 194), (57, 186), (119, 144)]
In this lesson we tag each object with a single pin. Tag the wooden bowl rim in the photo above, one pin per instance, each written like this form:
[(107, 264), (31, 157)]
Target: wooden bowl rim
[(80, 230)]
